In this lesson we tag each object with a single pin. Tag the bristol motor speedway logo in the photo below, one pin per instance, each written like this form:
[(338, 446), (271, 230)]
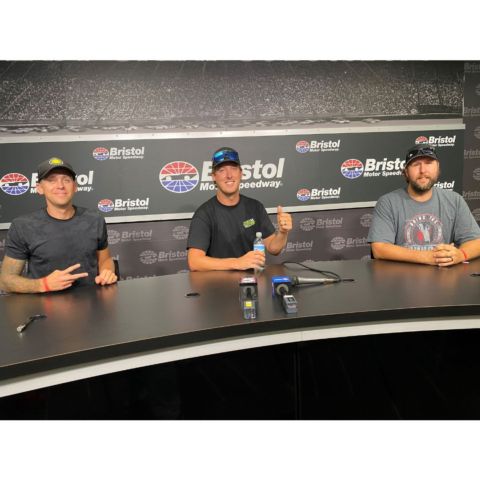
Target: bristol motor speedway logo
[(303, 146), (101, 153), (106, 205), (118, 153), (182, 177), (179, 177), (437, 141), (14, 184), (120, 205), (303, 194), (18, 184), (352, 168), (372, 167)]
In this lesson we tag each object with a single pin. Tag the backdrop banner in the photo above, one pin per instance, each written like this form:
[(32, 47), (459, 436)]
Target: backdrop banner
[(135, 180)]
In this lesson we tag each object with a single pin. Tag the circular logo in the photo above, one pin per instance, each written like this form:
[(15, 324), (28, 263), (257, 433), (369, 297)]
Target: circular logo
[(113, 237), (421, 139), (148, 257), (302, 146), (423, 229), (105, 205), (179, 177), (337, 243), (476, 132), (351, 168), (14, 184), (180, 232), (476, 174), (303, 194), (366, 220), (101, 153), (307, 224)]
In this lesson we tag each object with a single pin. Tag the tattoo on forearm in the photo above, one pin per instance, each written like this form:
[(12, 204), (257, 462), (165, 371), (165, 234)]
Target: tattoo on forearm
[(12, 280)]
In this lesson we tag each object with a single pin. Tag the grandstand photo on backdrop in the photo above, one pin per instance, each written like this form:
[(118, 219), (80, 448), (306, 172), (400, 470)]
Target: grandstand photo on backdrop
[(41, 97)]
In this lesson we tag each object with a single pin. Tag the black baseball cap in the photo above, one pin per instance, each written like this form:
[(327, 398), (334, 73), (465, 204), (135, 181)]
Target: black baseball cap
[(224, 155), (420, 150), (48, 165)]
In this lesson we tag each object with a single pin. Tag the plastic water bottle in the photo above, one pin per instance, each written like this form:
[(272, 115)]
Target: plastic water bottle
[(259, 245)]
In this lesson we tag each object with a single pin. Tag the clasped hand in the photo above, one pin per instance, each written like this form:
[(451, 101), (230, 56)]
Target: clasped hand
[(445, 255)]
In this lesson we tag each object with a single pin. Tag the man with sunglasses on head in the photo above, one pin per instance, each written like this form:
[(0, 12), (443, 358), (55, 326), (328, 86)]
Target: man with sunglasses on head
[(223, 229), (62, 244), (423, 224)]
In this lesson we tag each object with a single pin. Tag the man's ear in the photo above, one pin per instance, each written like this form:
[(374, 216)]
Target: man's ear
[(39, 188)]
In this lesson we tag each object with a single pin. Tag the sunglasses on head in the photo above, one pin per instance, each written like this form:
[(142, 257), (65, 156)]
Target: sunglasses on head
[(222, 155), (422, 151)]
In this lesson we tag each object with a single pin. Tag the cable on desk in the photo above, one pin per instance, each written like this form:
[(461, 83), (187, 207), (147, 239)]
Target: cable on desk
[(326, 273)]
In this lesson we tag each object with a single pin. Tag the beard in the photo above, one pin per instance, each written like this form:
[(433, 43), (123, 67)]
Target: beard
[(417, 188)]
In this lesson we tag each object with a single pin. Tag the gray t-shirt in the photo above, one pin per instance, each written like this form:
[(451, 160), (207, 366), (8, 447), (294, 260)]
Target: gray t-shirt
[(50, 244), (400, 220)]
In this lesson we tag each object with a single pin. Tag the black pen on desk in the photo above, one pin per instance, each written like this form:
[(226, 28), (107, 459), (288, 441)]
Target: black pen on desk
[(31, 319)]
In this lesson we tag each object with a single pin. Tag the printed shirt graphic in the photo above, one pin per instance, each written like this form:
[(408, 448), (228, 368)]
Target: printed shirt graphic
[(423, 232)]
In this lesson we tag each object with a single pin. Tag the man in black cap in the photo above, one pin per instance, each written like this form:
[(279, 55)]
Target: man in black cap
[(62, 243), (422, 224), (224, 228)]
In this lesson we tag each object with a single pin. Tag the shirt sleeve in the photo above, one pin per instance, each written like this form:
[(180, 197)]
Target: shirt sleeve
[(103, 237), (15, 245), (466, 227), (199, 235), (266, 225), (383, 228)]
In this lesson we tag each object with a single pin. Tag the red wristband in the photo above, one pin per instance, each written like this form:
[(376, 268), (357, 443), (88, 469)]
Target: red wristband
[(45, 284), (465, 259)]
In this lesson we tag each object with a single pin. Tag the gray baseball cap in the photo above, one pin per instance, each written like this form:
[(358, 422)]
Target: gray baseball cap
[(420, 150)]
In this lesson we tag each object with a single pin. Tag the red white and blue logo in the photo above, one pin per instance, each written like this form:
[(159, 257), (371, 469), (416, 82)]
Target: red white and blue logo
[(105, 205), (302, 146), (14, 184), (352, 168), (421, 139), (179, 177), (101, 153), (303, 194)]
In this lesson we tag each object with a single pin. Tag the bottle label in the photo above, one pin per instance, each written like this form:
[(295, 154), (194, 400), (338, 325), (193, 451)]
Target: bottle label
[(259, 247)]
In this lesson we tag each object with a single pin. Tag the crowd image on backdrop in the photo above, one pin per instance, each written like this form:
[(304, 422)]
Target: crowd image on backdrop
[(47, 96)]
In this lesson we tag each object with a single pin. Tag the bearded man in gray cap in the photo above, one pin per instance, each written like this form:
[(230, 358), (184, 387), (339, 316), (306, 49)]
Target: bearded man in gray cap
[(62, 244), (423, 224)]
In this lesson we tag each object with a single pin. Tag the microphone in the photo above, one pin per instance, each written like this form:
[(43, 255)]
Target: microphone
[(281, 288), (305, 281), (248, 297)]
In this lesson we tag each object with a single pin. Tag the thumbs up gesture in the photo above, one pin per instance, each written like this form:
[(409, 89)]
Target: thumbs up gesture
[(284, 220)]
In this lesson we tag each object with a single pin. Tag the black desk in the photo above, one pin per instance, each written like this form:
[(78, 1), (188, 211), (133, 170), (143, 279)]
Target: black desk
[(97, 330)]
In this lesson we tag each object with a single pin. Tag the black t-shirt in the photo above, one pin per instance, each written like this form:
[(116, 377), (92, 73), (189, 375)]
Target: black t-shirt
[(50, 244), (228, 232)]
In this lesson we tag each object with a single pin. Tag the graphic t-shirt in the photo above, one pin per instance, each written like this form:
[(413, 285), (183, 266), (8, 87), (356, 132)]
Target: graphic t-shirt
[(400, 220)]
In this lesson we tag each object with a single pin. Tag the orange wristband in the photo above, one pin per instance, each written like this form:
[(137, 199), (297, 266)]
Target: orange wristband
[(465, 259), (45, 284)]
